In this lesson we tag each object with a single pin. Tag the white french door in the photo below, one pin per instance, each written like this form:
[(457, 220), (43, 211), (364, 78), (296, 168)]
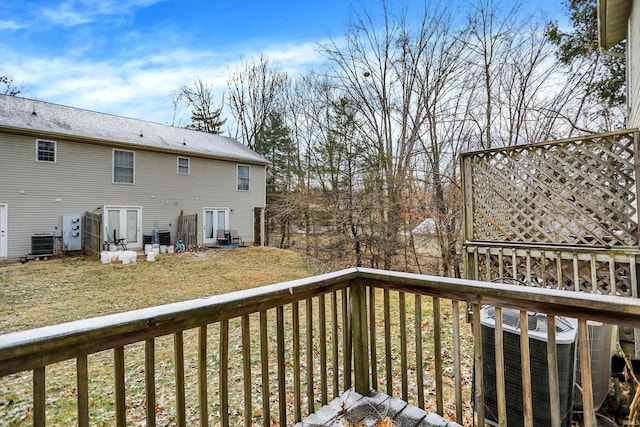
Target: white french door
[(214, 219), (123, 223), (3, 231)]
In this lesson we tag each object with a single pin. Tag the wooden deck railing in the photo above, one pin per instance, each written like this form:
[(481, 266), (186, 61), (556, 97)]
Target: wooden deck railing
[(608, 271), (280, 352)]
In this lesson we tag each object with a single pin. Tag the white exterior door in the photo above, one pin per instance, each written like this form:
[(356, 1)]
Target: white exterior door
[(3, 231), (123, 223), (214, 219)]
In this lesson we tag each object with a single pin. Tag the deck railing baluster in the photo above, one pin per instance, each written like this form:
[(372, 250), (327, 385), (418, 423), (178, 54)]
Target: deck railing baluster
[(282, 386), (437, 352), (202, 375), (559, 269), (82, 382), (419, 361), (585, 373), (594, 274), (499, 362), (309, 335), (39, 397), (634, 294), (121, 409), (612, 274), (529, 275), (477, 352), (264, 362), (246, 374), (576, 275), (150, 381), (525, 363), (224, 380), (552, 363), (372, 337), (297, 377), (457, 366), (322, 342), (403, 345), (178, 354), (387, 343), (346, 339), (335, 350)]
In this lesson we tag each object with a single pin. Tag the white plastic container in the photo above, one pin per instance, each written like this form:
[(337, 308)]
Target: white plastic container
[(134, 257), (112, 247), (148, 248), (105, 257), (155, 248), (163, 249), (151, 256), (170, 249)]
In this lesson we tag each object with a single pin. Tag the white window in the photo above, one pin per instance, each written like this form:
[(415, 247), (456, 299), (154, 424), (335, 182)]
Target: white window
[(123, 166), (243, 178), (183, 166), (45, 151)]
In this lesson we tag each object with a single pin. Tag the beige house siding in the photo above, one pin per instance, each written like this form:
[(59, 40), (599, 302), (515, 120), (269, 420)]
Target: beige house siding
[(633, 58), (81, 180)]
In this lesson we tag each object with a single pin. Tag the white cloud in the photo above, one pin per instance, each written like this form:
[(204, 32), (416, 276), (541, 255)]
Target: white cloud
[(142, 87), (10, 25), (77, 12)]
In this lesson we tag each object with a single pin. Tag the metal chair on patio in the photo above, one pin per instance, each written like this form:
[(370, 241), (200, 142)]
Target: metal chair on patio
[(235, 238), (222, 237)]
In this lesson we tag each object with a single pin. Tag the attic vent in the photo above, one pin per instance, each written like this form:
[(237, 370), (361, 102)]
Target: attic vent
[(141, 135), (33, 112)]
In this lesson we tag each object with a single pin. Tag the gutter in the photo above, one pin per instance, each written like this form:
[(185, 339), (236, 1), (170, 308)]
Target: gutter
[(608, 52)]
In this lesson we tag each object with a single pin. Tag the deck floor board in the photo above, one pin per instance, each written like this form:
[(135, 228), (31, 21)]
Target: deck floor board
[(353, 409)]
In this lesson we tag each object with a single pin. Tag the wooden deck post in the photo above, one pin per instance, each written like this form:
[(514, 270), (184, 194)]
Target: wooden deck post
[(359, 336)]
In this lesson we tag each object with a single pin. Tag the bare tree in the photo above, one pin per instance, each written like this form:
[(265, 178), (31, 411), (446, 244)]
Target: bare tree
[(379, 68), (254, 93), (9, 88)]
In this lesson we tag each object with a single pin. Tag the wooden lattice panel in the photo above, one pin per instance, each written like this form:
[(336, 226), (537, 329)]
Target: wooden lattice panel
[(568, 192)]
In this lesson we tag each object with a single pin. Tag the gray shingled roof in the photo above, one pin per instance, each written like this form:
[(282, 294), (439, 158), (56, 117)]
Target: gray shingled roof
[(22, 115)]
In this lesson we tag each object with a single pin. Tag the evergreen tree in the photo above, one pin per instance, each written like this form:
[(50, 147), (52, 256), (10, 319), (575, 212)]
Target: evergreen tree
[(604, 75), (205, 117), (277, 146)]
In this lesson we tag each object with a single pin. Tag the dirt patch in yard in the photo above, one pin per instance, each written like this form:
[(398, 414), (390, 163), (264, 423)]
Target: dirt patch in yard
[(60, 290)]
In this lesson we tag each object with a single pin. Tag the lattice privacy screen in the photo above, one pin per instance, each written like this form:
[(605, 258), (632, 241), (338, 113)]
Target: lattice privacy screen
[(580, 191)]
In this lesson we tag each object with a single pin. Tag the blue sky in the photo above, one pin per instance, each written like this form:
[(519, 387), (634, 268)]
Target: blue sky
[(128, 57)]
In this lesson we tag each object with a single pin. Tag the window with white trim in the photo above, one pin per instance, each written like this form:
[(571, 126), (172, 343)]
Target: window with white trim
[(45, 151), (243, 178), (123, 167), (183, 166)]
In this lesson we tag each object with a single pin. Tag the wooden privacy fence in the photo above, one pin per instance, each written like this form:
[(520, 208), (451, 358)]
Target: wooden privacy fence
[(275, 353), (92, 234), (188, 230)]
